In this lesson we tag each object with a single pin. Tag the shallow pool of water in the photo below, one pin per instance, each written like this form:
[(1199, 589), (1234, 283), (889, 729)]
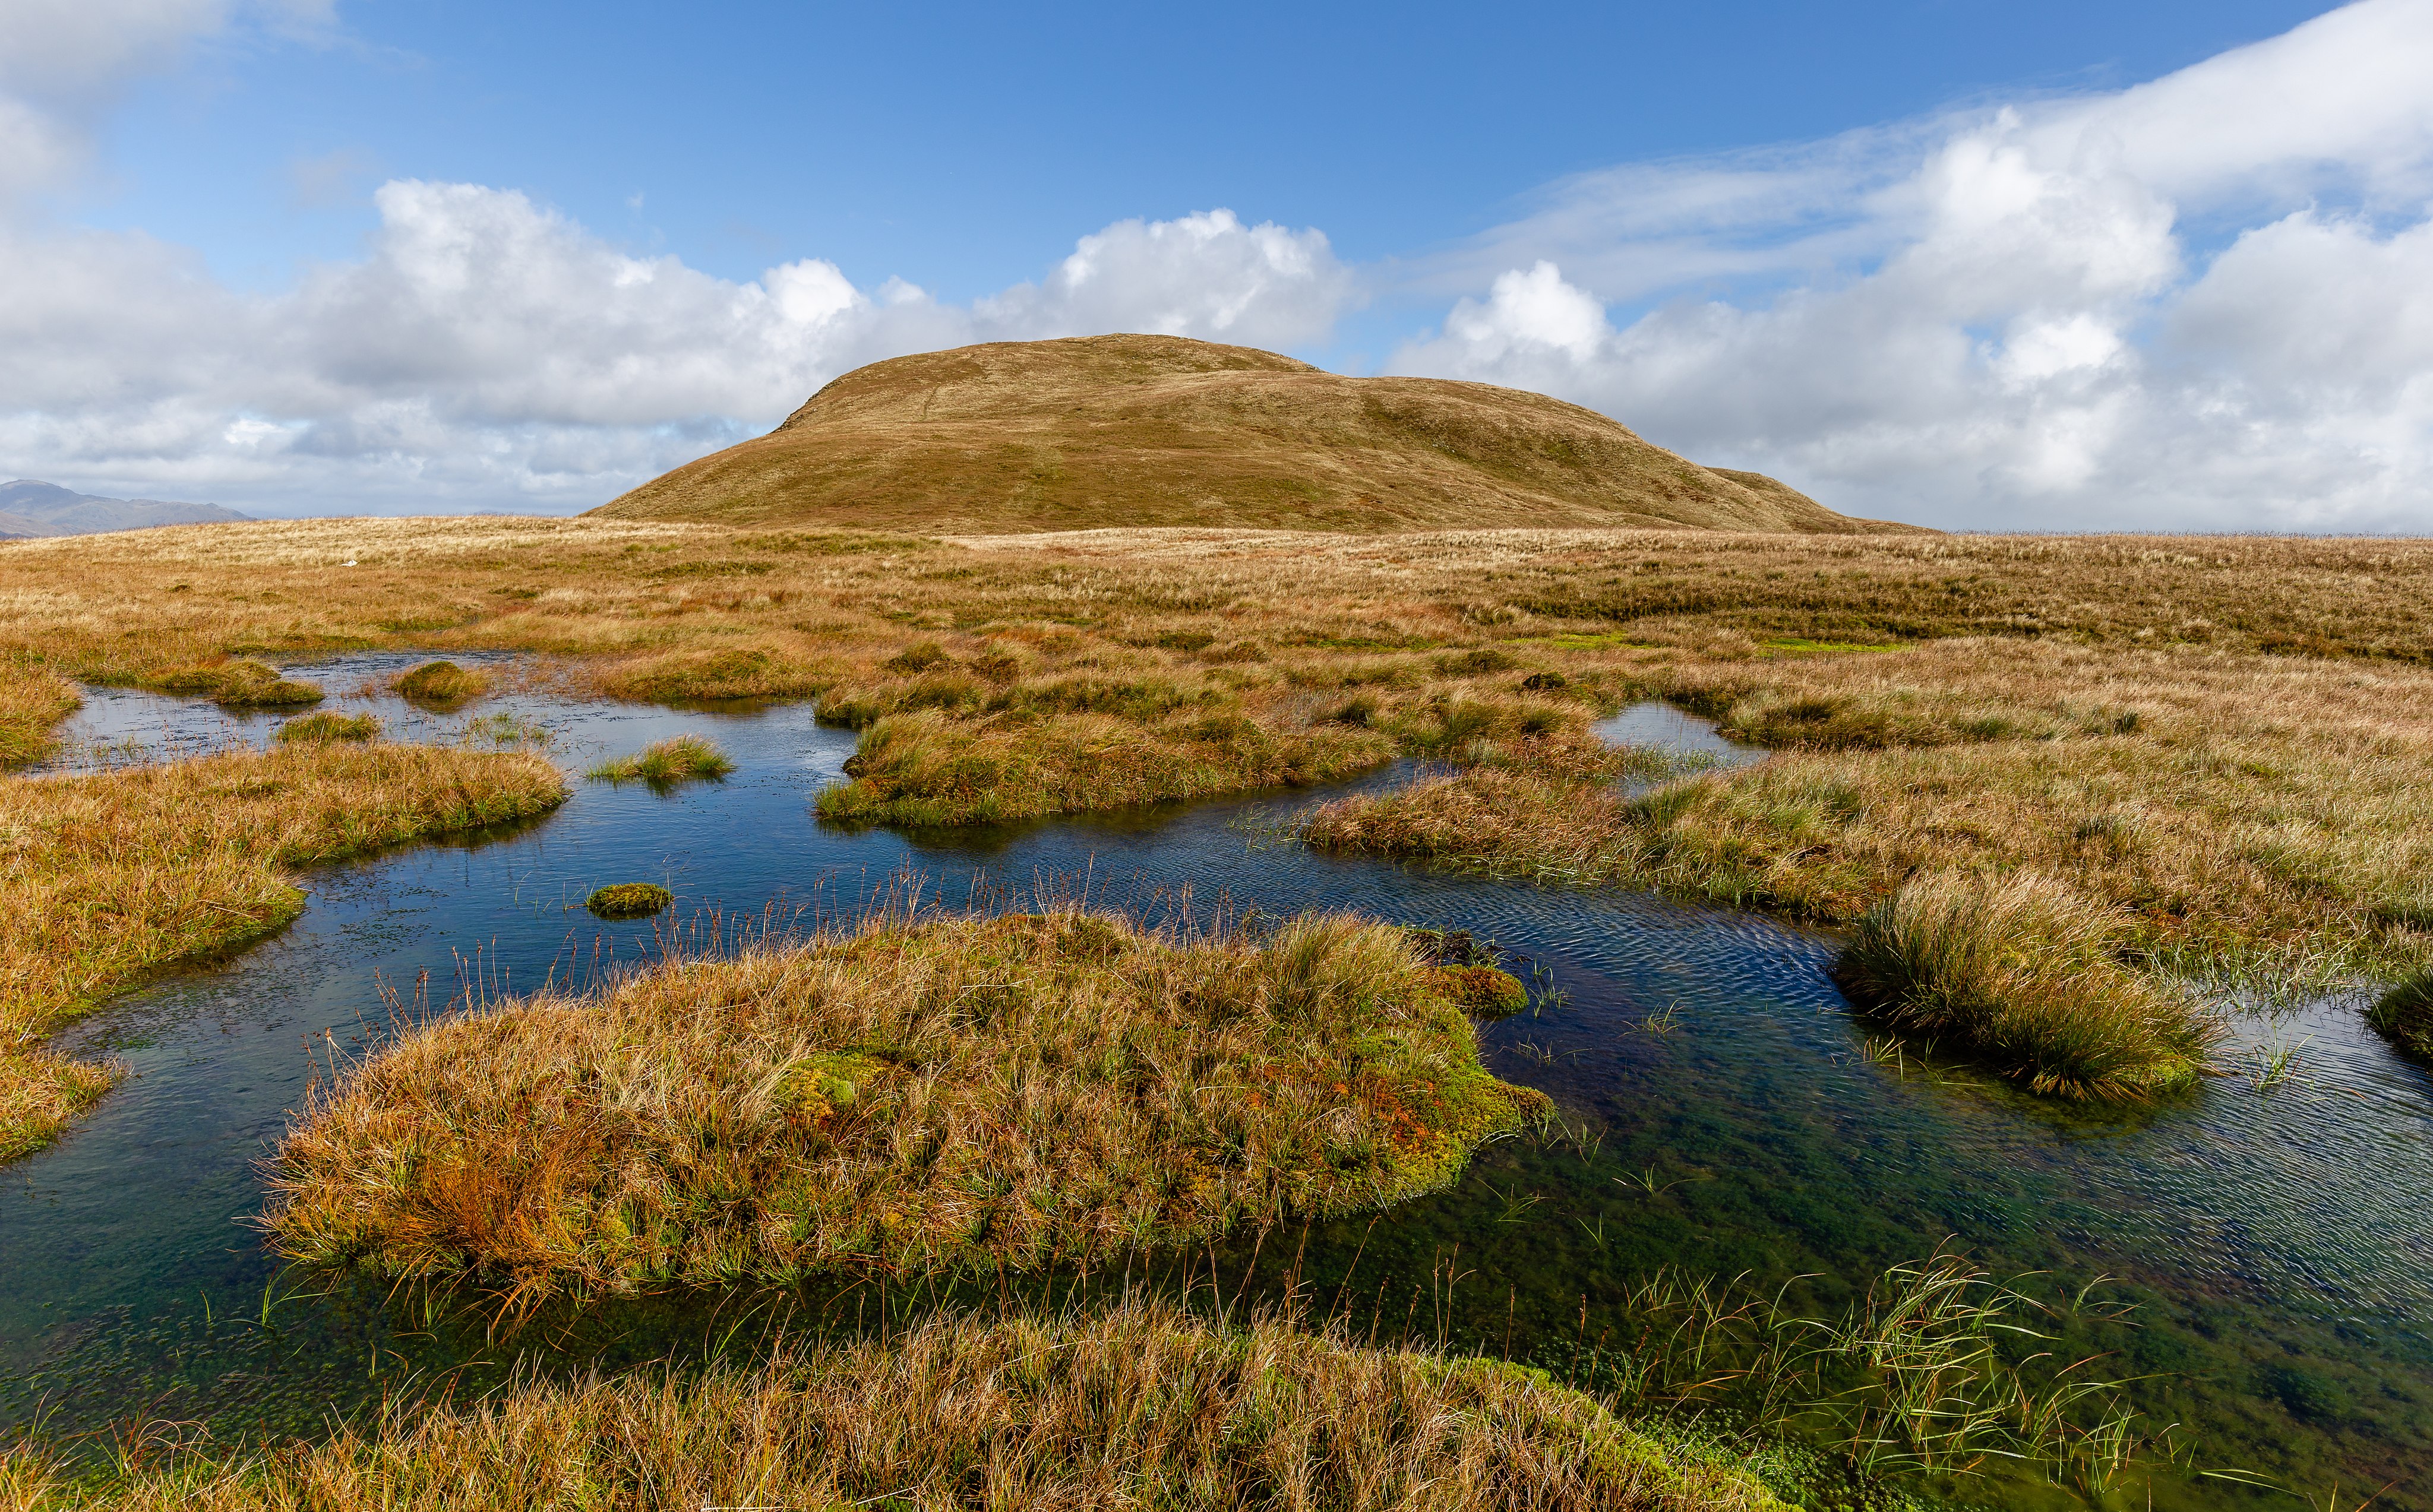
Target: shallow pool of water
[(2275, 1243)]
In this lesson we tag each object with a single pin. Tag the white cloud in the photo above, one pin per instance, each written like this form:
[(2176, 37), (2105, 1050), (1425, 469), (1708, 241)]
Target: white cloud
[(2003, 319), (488, 351)]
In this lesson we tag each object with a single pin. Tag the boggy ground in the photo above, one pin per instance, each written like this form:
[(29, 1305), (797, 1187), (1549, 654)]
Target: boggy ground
[(1140, 1405), (112, 876), (912, 1096), (2217, 737)]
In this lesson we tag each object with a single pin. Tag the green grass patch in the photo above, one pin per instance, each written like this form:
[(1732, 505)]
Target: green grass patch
[(628, 900), (666, 763), (913, 1097), (1803, 643)]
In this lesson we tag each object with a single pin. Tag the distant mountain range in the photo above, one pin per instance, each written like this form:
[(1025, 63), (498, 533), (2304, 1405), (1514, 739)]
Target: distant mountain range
[(29, 508)]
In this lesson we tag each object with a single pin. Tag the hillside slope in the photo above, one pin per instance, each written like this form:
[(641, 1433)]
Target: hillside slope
[(1163, 431)]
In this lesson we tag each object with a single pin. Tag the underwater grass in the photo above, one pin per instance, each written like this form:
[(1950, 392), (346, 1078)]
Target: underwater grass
[(2022, 973), (328, 726), (1137, 1405), (666, 763), (912, 1096), (118, 874), (441, 683)]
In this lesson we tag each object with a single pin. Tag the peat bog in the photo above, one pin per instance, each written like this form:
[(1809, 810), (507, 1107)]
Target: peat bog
[(1723, 1112)]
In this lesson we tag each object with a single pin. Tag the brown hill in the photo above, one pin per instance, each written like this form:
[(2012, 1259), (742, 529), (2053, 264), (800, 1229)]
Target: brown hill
[(1164, 430)]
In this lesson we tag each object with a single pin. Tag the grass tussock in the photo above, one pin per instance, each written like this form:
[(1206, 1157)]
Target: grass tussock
[(914, 1095), (2023, 971), (240, 683), (119, 874), (666, 763), (628, 900), (1140, 1405), (2404, 1015), (441, 683), (328, 726)]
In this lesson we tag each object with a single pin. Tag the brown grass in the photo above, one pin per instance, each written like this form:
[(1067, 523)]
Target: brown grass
[(111, 877), (2220, 735), (908, 1098), (1138, 1406), (32, 702), (1136, 430)]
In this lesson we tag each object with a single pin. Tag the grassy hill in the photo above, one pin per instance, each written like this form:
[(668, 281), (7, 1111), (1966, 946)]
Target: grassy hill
[(1163, 431)]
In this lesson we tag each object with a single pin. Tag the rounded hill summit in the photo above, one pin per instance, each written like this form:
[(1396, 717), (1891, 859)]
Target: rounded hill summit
[(1129, 431)]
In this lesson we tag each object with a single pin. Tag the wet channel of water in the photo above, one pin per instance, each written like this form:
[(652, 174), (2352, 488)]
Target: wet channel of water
[(2276, 1244)]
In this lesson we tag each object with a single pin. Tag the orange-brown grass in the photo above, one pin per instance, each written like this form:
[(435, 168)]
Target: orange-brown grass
[(2217, 733), (2259, 810), (32, 702), (912, 1096), (1140, 1405), (119, 874)]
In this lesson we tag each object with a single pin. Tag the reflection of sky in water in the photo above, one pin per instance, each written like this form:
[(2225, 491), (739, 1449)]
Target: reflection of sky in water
[(2257, 1225)]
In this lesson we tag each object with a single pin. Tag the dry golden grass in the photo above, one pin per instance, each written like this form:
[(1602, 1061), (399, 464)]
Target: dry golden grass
[(2220, 734), (1165, 431), (32, 702), (112, 876), (907, 1097), (1138, 1406)]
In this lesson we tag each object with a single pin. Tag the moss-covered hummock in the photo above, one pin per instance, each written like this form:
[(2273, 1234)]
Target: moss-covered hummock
[(629, 900), (441, 683), (913, 1097)]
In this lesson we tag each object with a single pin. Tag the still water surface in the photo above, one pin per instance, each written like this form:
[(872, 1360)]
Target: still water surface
[(2278, 1246)]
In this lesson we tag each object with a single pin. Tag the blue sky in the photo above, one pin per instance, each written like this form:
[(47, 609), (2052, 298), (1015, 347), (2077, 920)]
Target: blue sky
[(1967, 264)]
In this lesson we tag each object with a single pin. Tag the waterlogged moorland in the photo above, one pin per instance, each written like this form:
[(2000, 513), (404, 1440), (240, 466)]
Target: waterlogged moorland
[(2214, 802)]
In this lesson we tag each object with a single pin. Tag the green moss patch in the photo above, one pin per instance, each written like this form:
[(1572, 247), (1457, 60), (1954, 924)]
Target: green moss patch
[(629, 900)]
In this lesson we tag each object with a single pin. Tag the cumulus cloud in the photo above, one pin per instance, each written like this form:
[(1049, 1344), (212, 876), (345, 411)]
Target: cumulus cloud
[(487, 351), (2199, 303)]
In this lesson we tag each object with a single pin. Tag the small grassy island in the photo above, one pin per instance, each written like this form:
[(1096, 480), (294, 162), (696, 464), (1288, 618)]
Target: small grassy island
[(909, 1096)]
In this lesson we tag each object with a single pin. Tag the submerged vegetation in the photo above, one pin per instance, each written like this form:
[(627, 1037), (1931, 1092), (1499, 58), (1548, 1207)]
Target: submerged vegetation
[(331, 727), (117, 874), (628, 900), (912, 1096), (666, 763), (1138, 1405), (2025, 974)]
